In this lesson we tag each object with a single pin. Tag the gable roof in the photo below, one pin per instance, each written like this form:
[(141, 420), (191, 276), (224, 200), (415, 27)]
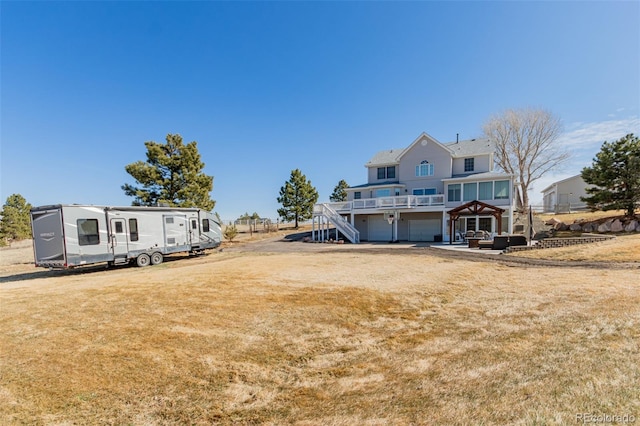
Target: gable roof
[(471, 147), (458, 149), (389, 156)]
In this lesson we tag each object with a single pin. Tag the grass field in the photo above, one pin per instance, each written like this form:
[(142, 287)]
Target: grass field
[(332, 338)]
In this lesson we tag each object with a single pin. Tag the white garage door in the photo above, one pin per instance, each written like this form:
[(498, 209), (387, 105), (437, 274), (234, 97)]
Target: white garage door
[(379, 229), (424, 229)]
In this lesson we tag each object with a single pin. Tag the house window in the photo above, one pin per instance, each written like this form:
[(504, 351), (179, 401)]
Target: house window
[(484, 224), (391, 172), (383, 193), (501, 189), (88, 232), (485, 190), (387, 172), (468, 164), (453, 192), (424, 169), (133, 229), (470, 191), (425, 191), (357, 195)]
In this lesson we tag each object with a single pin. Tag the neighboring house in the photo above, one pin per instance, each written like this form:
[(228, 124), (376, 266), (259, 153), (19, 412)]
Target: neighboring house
[(564, 196), (409, 191)]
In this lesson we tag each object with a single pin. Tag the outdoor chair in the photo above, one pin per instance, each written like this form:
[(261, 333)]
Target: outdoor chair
[(482, 234)]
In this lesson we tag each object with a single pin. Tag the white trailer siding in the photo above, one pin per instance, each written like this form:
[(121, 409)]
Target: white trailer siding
[(74, 235)]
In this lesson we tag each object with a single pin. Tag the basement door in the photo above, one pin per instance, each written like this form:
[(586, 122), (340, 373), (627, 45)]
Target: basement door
[(424, 229), (379, 228)]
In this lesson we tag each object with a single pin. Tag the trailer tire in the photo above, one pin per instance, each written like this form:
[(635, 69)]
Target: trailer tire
[(156, 258), (143, 260)]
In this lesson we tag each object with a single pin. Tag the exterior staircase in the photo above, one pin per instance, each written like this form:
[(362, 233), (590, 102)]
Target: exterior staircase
[(341, 224)]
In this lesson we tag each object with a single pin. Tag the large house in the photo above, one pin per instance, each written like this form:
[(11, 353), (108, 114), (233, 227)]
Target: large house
[(410, 191)]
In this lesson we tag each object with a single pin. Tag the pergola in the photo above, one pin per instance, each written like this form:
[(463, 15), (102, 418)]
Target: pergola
[(473, 208)]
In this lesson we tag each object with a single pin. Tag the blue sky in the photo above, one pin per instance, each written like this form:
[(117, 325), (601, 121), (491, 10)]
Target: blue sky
[(267, 87)]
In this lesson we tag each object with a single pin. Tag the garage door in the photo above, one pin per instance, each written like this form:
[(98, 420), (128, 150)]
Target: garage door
[(379, 229), (424, 230)]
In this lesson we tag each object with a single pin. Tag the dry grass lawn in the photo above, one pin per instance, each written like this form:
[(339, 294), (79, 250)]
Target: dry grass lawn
[(624, 248), (332, 338)]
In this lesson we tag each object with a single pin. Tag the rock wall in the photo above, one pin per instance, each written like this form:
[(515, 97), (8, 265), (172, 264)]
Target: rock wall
[(561, 242), (607, 225)]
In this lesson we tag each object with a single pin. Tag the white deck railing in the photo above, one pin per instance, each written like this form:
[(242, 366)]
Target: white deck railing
[(386, 203)]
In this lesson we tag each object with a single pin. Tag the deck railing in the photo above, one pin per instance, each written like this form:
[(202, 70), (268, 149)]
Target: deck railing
[(386, 203)]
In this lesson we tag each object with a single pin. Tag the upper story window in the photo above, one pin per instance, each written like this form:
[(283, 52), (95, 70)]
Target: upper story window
[(424, 169), (387, 172), (485, 190), (469, 191), (468, 164), (383, 193), (357, 195), (454, 192), (501, 189)]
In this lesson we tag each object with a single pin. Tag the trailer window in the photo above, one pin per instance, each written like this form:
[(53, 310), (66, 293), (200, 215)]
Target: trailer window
[(194, 224), (133, 229), (88, 232), (119, 229), (205, 225)]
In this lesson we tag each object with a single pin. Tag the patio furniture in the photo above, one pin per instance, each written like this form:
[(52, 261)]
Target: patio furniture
[(501, 242), (469, 234), (485, 244), (473, 242)]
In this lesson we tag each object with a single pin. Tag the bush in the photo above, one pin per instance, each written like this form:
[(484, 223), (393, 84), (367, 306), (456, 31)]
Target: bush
[(230, 232)]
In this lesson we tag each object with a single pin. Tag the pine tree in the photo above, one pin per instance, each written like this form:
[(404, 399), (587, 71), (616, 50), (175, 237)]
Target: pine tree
[(16, 220), (172, 174), (339, 192), (615, 172), (297, 197)]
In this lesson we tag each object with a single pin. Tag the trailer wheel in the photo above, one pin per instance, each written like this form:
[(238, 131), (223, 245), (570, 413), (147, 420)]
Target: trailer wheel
[(156, 258), (143, 260)]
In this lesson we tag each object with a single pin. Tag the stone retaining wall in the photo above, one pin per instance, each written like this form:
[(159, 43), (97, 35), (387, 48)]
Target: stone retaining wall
[(561, 242)]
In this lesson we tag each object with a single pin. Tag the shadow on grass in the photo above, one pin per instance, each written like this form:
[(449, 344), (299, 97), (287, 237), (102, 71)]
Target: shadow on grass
[(80, 270)]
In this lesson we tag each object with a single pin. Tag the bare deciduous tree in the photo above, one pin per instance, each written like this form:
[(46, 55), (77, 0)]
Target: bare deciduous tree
[(526, 146)]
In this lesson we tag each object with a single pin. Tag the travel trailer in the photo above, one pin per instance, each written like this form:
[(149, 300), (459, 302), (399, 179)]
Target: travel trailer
[(67, 236)]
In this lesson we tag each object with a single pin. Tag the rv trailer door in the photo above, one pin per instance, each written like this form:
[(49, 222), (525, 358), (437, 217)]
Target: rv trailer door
[(118, 237)]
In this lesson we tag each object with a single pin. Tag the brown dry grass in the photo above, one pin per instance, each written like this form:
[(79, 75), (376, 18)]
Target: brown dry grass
[(624, 248), (334, 338)]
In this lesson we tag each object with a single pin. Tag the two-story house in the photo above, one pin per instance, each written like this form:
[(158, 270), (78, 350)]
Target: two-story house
[(409, 191)]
